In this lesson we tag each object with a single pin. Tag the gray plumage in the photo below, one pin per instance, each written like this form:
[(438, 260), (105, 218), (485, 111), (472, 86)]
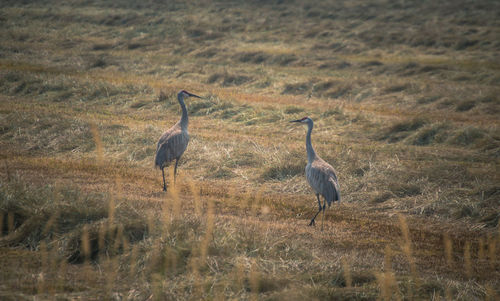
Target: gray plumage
[(174, 141), (319, 174)]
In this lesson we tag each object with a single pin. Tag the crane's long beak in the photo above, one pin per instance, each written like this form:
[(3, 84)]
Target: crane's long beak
[(298, 120), (193, 95)]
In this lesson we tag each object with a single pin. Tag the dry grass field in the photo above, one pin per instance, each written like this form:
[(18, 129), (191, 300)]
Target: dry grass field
[(406, 101)]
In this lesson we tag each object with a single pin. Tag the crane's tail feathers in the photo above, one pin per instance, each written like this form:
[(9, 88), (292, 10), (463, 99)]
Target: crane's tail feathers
[(159, 164), (336, 196)]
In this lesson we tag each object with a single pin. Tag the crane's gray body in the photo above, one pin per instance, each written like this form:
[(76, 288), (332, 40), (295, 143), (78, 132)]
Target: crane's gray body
[(171, 145), (320, 175), (174, 141)]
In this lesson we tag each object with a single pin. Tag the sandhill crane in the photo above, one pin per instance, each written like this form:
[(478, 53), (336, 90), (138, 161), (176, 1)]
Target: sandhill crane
[(320, 175), (174, 141)]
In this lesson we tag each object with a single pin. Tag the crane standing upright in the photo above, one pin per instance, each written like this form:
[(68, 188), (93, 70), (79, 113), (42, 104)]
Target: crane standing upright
[(174, 141), (320, 175)]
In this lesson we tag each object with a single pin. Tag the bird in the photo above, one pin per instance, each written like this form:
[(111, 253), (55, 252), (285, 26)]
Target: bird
[(319, 174), (174, 141)]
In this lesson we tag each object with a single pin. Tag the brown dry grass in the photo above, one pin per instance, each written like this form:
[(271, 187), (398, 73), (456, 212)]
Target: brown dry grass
[(405, 102)]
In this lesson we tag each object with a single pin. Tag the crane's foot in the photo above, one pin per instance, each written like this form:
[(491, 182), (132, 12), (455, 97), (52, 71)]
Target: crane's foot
[(164, 188), (312, 223)]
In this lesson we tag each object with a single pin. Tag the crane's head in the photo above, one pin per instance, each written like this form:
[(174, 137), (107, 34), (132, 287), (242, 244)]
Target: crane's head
[(185, 93), (303, 120)]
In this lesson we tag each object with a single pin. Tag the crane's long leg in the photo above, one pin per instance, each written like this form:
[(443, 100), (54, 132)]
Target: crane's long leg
[(175, 168), (323, 216), (312, 223), (164, 184)]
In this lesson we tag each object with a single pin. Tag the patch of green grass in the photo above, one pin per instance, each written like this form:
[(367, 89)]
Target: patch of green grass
[(293, 110), (283, 171), (404, 189), (467, 136), (289, 165), (384, 196), (434, 133), (51, 133), (337, 112), (401, 130), (465, 106), (227, 80), (297, 88)]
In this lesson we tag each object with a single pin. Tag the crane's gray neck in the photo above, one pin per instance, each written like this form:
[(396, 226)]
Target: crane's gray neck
[(311, 154), (184, 117)]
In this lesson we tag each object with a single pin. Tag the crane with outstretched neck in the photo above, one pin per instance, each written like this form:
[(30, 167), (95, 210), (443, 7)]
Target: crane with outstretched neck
[(319, 174), (174, 141)]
